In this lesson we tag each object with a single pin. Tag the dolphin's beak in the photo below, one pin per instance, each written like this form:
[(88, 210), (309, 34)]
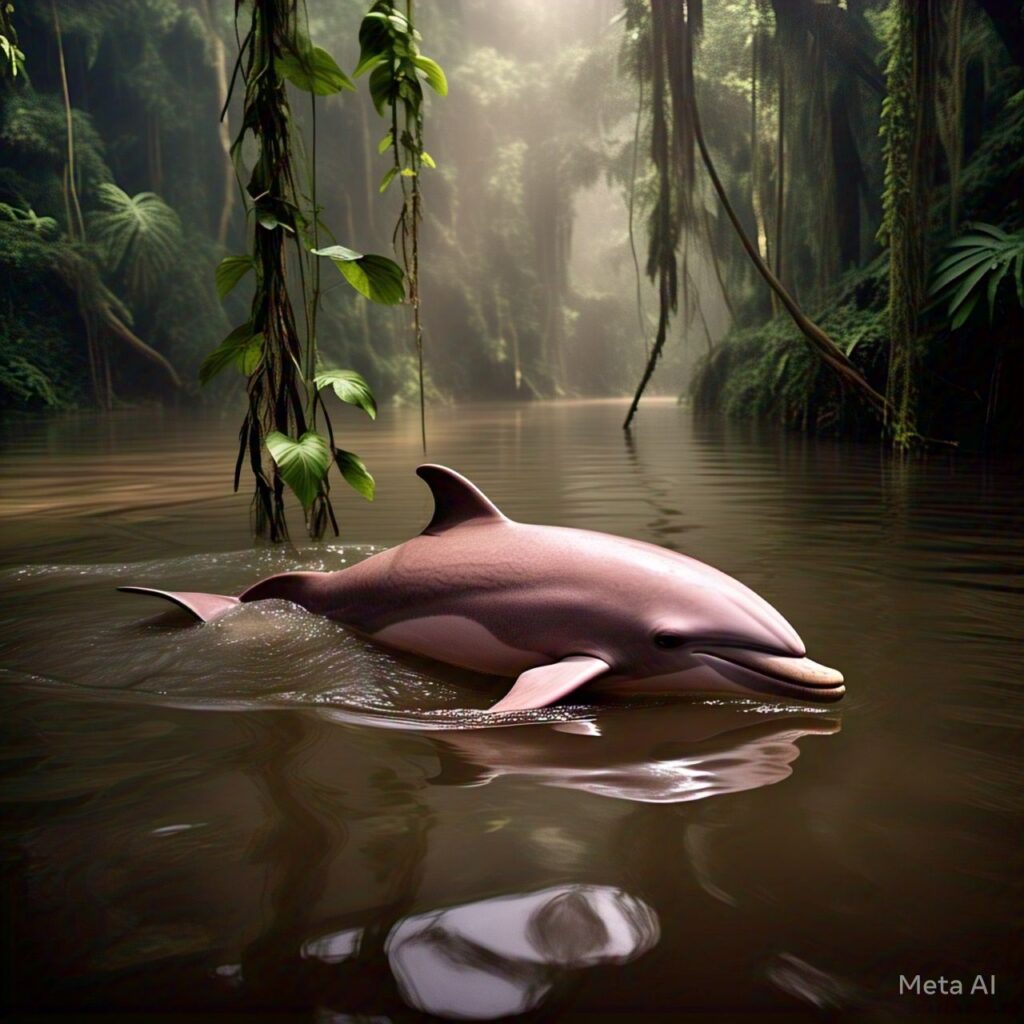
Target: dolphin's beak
[(775, 673)]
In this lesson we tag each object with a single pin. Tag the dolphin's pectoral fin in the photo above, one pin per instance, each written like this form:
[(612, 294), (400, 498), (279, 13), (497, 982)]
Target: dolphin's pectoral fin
[(203, 606), (539, 687), (456, 500)]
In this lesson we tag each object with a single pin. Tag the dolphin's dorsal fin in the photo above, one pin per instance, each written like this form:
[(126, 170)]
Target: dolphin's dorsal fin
[(456, 500)]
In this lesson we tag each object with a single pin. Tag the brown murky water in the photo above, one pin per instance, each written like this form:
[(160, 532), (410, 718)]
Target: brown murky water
[(269, 814)]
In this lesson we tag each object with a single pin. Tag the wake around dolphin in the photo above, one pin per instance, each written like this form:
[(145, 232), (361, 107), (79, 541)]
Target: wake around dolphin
[(553, 607)]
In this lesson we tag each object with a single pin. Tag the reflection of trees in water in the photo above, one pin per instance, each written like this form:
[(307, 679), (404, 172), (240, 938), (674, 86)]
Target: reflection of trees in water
[(307, 834), (399, 860), (297, 846), (660, 492)]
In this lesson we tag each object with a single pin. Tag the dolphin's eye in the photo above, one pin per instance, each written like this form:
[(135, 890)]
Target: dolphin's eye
[(666, 641)]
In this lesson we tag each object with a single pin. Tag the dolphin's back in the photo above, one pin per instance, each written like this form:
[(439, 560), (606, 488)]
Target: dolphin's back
[(514, 579)]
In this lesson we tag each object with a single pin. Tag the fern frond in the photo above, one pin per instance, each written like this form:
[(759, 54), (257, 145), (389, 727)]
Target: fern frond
[(976, 264)]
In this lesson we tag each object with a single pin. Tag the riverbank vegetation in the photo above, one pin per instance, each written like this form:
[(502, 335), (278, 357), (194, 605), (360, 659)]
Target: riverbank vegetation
[(806, 211), (884, 188)]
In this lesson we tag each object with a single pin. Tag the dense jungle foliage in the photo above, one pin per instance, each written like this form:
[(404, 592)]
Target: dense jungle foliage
[(880, 176), (570, 238), (146, 81)]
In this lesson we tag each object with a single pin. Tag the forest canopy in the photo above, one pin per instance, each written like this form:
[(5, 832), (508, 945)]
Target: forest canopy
[(570, 232)]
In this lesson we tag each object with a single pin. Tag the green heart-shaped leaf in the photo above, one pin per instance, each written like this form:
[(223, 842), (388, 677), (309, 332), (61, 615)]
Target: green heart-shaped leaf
[(302, 463)]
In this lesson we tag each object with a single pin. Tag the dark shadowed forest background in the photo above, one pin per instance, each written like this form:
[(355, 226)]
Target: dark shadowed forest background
[(871, 151)]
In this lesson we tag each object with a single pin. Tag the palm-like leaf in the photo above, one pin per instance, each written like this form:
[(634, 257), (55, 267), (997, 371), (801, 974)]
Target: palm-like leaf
[(139, 237), (977, 263)]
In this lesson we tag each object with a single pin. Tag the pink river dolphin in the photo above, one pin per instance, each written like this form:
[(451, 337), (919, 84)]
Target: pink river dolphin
[(554, 608)]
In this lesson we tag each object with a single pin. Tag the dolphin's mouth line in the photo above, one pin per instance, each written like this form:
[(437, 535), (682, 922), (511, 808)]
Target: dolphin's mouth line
[(786, 672)]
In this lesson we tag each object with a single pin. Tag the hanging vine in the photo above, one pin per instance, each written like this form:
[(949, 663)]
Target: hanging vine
[(669, 34), (389, 50), (674, 33), (641, 315), (280, 360)]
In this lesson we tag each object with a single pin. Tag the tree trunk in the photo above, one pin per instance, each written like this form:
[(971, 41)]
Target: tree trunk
[(909, 135), (121, 330), (220, 69), (72, 207), (949, 98), (849, 170), (99, 366), (756, 199)]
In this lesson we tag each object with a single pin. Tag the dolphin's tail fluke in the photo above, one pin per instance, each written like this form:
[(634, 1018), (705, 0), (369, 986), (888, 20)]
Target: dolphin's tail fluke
[(203, 606)]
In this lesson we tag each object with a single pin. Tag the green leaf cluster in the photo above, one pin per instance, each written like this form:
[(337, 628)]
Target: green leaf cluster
[(13, 60), (388, 49), (271, 349), (386, 35), (304, 462), (44, 227)]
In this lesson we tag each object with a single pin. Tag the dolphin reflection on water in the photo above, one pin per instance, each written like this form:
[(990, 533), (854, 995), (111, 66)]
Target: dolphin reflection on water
[(657, 754), (502, 956)]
